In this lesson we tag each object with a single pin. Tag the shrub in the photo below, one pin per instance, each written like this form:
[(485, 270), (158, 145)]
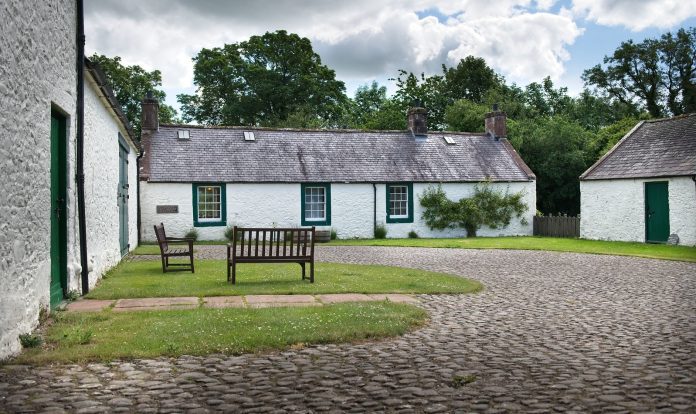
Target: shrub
[(192, 234), (412, 234), (486, 207), (30, 340), (229, 233), (334, 235), (380, 231)]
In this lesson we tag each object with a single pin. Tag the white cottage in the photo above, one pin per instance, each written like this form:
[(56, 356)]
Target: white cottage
[(40, 249), (644, 188), (350, 181)]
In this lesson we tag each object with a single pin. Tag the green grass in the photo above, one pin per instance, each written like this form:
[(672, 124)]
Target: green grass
[(655, 251), (139, 279), (153, 249), (107, 335)]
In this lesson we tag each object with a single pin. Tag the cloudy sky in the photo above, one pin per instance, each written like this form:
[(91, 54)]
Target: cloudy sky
[(365, 40)]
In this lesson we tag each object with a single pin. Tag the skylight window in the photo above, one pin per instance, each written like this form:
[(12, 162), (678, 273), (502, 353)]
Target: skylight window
[(249, 136), (183, 134), (449, 140)]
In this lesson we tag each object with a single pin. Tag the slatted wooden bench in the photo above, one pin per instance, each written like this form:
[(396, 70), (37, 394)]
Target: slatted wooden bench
[(167, 251), (271, 245)]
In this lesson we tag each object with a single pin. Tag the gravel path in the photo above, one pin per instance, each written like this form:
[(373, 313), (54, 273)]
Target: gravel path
[(551, 332)]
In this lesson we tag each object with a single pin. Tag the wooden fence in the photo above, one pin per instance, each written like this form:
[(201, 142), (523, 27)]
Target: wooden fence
[(557, 226)]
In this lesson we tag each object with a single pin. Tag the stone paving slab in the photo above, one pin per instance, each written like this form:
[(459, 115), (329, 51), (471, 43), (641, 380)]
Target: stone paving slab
[(345, 297), (89, 305), (394, 297), (253, 299), (156, 304), (223, 302)]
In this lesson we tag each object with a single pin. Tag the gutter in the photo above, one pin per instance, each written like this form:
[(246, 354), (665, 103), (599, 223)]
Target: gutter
[(80, 141)]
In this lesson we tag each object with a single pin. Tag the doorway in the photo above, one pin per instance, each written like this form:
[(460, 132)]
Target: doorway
[(59, 217)]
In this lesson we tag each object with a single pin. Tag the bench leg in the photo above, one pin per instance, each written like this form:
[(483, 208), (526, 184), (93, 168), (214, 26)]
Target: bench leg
[(234, 273), (191, 258), (164, 265), (311, 272), (228, 271), (303, 270)]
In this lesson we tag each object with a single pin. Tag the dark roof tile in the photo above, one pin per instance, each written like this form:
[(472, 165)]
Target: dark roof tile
[(282, 155)]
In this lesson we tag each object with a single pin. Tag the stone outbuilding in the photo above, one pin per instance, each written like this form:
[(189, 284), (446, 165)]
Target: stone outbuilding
[(350, 181), (644, 188), (40, 219)]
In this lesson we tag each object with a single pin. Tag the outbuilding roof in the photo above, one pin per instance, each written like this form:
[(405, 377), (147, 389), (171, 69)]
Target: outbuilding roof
[(656, 148), (221, 154)]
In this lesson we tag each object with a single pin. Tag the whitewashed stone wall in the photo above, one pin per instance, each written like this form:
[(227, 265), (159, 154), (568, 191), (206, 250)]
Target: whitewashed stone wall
[(101, 165), (615, 209), (37, 48), (352, 213)]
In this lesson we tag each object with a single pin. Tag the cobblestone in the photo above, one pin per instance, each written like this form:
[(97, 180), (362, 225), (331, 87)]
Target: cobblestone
[(551, 332)]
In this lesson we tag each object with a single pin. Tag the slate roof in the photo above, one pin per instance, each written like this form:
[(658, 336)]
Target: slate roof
[(220, 154), (657, 148)]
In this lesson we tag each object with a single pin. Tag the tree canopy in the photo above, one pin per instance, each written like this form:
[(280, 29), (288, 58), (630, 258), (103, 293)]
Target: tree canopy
[(657, 74), (263, 81), (130, 84)]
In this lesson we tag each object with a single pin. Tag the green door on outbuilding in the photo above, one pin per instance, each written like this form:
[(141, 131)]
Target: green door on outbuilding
[(122, 194), (59, 216), (656, 212)]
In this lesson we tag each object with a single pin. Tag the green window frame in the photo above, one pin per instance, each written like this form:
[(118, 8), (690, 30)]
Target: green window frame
[(315, 198), (209, 204), (399, 210)]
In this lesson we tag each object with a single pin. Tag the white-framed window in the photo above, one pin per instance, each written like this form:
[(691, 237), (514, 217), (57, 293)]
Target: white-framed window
[(398, 201), (315, 203), (209, 203)]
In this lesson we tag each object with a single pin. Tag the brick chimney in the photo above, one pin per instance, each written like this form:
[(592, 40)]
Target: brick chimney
[(418, 119), (149, 117), (495, 123), (149, 124)]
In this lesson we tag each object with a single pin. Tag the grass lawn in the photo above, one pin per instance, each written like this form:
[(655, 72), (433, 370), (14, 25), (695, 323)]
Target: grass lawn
[(655, 251), (107, 335), (138, 279)]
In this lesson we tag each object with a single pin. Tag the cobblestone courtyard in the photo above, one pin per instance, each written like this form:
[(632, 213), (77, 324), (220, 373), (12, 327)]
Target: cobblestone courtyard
[(551, 332)]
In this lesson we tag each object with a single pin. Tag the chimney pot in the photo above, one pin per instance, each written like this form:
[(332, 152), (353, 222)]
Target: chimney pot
[(496, 123), (418, 120)]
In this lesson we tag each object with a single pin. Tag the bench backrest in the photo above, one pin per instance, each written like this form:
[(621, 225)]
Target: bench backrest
[(161, 237), (279, 243)]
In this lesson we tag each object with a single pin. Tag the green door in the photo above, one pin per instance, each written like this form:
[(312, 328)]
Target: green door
[(59, 217), (122, 194), (656, 212)]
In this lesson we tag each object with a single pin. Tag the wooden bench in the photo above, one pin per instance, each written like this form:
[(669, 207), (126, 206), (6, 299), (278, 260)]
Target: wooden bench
[(166, 251), (271, 245)]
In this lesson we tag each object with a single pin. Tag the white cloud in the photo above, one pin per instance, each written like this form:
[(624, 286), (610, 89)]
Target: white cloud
[(635, 14), (361, 40)]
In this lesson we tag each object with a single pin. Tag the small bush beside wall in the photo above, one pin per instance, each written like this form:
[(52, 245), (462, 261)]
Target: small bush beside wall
[(380, 231), (192, 234)]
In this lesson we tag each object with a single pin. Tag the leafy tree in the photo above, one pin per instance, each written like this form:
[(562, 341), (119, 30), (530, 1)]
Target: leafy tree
[(391, 116), (659, 74), (465, 115), (471, 79), (428, 91), (487, 207), (554, 148), (607, 137), (263, 81), (130, 84)]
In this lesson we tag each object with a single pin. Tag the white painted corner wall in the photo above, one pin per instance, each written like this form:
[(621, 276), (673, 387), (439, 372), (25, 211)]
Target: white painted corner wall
[(40, 42), (352, 209), (615, 209)]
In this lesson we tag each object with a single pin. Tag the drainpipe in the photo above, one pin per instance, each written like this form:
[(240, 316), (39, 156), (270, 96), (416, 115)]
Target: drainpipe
[(374, 208), (137, 190), (80, 171)]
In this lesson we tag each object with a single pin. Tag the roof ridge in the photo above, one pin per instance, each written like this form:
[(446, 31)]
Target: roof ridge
[(671, 118), (339, 130)]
